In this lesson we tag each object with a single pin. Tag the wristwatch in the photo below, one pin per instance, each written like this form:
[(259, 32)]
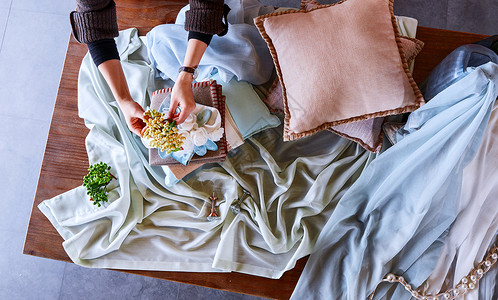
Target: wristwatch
[(194, 71)]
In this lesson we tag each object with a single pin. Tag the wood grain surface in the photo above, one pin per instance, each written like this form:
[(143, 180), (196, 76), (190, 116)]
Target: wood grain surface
[(438, 44), (65, 161)]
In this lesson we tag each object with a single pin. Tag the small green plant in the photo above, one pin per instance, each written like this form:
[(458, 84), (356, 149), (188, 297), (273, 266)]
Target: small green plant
[(96, 181)]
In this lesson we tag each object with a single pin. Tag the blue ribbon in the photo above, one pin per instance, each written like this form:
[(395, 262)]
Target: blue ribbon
[(186, 157)]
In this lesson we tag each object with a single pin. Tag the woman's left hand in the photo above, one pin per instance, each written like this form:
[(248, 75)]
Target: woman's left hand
[(182, 97)]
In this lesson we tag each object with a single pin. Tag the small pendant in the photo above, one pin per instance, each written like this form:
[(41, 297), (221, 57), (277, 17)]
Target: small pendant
[(213, 216), (235, 207)]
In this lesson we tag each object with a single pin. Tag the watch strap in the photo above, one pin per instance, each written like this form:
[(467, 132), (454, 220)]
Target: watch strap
[(186, 69)]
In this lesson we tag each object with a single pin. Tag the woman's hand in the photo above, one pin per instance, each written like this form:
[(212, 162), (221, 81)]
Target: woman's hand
[(182, 97), (182, 91), (133, 114)]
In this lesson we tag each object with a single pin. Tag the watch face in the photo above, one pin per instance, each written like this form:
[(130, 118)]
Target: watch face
[(196, 73)]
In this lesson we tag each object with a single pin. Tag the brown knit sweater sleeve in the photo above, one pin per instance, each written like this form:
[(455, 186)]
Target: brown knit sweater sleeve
[(205, 16), (94, 20)]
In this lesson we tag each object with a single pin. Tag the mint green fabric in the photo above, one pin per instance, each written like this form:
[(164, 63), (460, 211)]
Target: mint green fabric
[(294, 187), (407, 26), (249, 113)]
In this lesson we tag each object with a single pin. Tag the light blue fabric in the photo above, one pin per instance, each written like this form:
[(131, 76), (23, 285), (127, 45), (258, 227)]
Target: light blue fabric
[(185, 157), (202, 150), (241, 53), (181, 158), (395, 216), (249, 113)]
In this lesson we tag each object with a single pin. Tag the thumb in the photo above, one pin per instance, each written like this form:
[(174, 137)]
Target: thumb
[(137, 125)]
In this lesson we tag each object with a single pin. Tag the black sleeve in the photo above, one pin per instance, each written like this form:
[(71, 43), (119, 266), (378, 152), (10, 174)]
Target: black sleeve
[(203, 37), (103, 50)]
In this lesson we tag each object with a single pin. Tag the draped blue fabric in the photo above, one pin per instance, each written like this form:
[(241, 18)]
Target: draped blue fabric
[(241, 53), (395, 216)]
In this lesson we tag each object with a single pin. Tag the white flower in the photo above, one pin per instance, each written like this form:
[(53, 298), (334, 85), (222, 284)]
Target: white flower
[(188, 144), (216, 135), (188, 124), (199, 136)]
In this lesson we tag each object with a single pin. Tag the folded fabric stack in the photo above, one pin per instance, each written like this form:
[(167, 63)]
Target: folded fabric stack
[(236, 61)]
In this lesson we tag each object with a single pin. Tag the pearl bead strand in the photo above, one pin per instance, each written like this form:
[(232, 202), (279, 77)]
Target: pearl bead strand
[(467, 283)]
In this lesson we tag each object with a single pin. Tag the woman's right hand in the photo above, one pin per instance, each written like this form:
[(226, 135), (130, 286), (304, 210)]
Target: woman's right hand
[(133, 114)]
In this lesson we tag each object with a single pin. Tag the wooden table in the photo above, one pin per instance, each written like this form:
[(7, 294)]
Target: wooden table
[(65, 161)]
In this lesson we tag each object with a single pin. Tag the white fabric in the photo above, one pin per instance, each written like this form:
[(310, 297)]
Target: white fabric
[(476, 225)]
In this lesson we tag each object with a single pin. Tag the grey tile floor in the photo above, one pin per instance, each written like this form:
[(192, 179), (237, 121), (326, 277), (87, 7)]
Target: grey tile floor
[(33, 39)]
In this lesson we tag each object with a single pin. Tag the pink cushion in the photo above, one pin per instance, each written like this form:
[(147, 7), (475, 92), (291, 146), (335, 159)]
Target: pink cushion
[(367, 133), (275, 99), (360, 73)]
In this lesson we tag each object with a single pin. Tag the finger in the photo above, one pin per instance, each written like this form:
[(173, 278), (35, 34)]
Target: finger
[(143, 131), (137, 126), (136, 131), (172, 108), (140, 112), (180, 118)]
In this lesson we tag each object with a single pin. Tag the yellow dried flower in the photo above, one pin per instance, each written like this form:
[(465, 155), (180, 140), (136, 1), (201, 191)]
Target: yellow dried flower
[(162, 133)]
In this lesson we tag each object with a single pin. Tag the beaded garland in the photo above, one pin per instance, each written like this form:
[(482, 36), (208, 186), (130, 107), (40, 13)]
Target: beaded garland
[(467, 283)]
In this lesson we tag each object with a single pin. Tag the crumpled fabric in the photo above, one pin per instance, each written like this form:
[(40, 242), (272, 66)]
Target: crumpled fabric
[(396, 216), (146, 225), (241, 53)]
